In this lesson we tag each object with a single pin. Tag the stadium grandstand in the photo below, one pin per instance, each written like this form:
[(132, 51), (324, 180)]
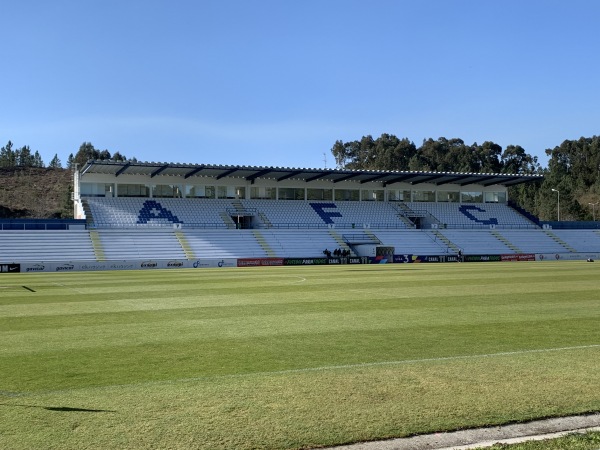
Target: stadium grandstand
[(139, 215)]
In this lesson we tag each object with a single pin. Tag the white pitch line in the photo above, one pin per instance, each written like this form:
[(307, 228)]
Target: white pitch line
[(278, 281), (394, 363), (314, 369), (415, 361), (68, 287)]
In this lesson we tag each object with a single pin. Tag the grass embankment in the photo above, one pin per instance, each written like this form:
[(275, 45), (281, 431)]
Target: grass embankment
[(292, 357), (35, 193)]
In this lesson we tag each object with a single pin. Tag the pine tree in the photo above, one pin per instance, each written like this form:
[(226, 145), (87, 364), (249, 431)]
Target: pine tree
[(55, 163), (7, 155)]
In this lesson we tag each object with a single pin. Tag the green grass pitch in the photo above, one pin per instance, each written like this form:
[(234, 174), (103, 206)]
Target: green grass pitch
[(292, 357)]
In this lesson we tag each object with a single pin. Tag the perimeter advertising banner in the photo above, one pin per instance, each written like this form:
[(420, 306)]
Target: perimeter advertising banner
[(255, 262), (518, 257), (566, 256), (10, 268), (304, 261), (321, 261), (148, 264), (482, 258), (357, 260), (427, 259), (218, 263), (424, 258)]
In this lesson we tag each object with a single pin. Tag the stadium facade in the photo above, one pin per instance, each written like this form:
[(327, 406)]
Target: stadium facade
[(162, 180)]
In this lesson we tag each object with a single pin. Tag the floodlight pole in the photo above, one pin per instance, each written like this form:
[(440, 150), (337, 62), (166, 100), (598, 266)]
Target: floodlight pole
[(558, 204), (593, 209)]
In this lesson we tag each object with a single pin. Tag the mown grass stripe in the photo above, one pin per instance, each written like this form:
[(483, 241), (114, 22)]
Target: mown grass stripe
[(305, 370)]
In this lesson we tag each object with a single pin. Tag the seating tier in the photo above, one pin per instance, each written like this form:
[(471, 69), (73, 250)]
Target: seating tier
[(473, 215), (45, 245), (125, 212)]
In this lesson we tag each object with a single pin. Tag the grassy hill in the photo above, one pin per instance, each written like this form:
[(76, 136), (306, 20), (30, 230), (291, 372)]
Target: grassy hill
[(35, 193)]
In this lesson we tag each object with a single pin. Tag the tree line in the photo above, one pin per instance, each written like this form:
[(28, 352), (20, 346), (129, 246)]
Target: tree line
[(11, 156), (388, 152), (573, 170), (23, 157)]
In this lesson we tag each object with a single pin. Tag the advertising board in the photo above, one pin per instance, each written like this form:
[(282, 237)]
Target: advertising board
[(10, 268)]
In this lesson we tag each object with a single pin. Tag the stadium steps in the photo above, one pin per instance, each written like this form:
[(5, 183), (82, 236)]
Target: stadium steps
[(263, 243), (409, 223), (97, 246), (89, 218), (555, 238), (239, 208), (413, 212), (421, 213), (237, 204), (227, 220), (404, 207), (342, 244), (445, 240), (506, 242), (361, 238), (265, 220), (402, 210), (189, 253)]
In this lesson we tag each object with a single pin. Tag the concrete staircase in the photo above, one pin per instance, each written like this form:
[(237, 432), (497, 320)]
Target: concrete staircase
[(185, 246), (97, 245), (265, 220), (555, 238), (506, 242), (403, 211), (227, 220), (342, 244), (263, 243), (89, 218), (439, 236)]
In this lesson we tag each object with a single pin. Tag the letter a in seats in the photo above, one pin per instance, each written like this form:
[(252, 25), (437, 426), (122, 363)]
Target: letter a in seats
[(154, 210)]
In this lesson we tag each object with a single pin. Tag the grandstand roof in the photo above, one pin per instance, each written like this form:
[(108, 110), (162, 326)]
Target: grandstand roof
[(251, 173)]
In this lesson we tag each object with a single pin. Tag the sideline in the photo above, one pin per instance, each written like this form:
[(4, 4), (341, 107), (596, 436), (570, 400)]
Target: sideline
[(305, 370), (486, 437)]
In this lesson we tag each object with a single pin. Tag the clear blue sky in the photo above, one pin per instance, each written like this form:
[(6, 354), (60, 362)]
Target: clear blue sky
[(276, 83)]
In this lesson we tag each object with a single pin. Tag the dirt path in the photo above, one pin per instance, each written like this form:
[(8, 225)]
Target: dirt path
[(486, 437)]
